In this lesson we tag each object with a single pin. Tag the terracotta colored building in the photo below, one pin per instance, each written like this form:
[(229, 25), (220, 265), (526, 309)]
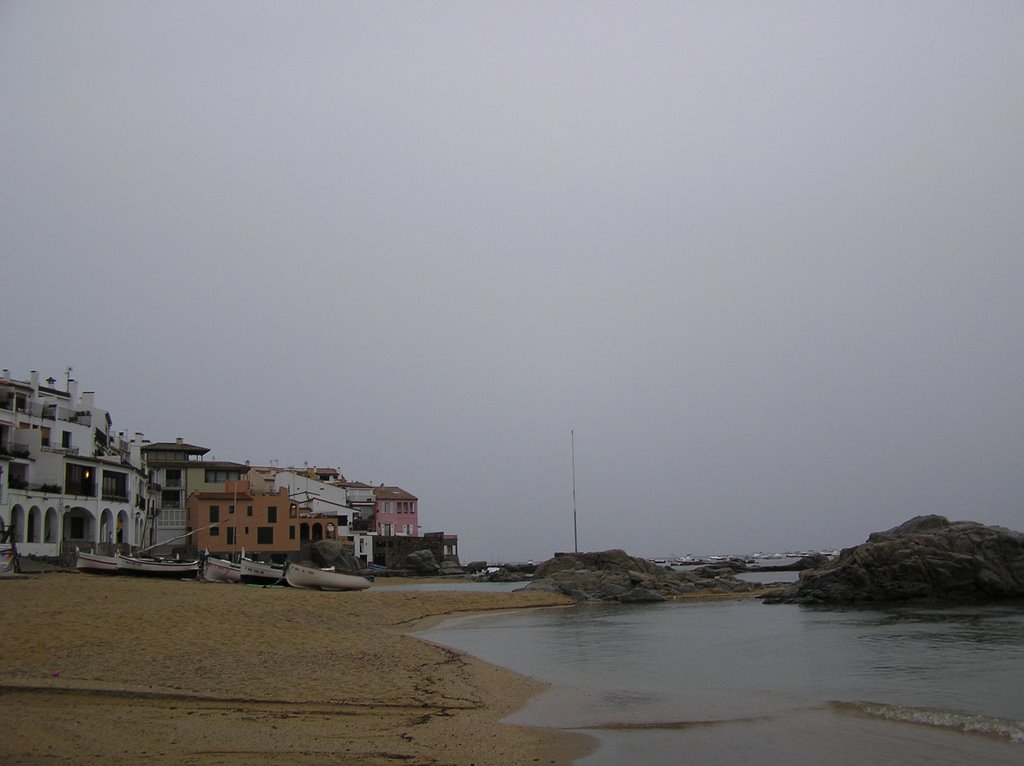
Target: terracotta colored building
[(226, 522)]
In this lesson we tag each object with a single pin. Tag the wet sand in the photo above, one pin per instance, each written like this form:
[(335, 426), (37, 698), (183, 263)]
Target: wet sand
[(122, 670)]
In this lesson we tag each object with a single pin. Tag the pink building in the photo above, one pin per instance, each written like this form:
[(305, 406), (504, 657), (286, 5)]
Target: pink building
[(396, 512)]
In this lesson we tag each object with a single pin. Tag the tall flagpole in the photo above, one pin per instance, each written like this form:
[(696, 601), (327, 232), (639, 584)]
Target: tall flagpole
[(575, 543)]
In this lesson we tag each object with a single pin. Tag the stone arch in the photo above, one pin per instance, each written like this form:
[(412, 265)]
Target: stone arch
[(106, 526), (18, 522), (123, 528), (138, 529), (79, 525), (303, 531), (318, 531), (34, 525), (50, 525)]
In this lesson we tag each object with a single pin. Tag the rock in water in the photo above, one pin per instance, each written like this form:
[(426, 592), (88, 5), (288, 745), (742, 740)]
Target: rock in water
[(927, 558), (616, 576)]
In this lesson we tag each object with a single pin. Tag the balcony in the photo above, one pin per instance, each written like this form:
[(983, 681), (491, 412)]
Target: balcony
[(14, 450)]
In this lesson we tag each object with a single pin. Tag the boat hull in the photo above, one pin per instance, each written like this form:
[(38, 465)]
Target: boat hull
[(142, 567), (324, 579), (94, 563), (221, 570), (258, 573)]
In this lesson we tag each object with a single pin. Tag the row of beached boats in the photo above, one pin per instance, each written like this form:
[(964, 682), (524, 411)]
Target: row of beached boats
[(213, 569)]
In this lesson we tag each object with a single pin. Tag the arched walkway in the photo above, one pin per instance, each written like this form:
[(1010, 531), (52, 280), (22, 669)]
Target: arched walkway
[(34, 526), (18, 522), (106, 526), (50, 525), (123, 528), (79, 527)]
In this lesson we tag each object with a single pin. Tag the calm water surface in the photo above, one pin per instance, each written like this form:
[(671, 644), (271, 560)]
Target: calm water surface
[(712, 682)]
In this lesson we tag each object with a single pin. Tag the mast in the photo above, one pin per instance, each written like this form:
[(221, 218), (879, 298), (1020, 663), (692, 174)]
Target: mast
[(575, 543)]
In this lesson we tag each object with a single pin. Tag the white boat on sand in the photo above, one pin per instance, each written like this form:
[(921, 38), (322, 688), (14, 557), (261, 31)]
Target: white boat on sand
[(151, 567), (220, 570), (94, 563), (261, 573), (299, 576)]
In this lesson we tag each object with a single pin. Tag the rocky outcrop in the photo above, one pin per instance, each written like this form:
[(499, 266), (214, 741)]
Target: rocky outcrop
[(422, 562), (334, 553), (927, 558), (615, 576), (450, 567), (500, 574)]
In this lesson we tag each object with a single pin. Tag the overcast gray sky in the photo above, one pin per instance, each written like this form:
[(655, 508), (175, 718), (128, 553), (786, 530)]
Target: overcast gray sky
[(764, 258)]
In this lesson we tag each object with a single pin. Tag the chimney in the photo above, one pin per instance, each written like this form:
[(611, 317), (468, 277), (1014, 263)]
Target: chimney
[(33, 377), (7, 374), (179, 440), (87, 400), (73, 390)]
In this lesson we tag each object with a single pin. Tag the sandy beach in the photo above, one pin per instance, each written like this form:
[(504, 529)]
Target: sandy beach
[(126, 670)]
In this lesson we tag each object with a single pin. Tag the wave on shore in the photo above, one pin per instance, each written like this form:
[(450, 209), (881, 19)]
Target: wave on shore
[(1001, 728)]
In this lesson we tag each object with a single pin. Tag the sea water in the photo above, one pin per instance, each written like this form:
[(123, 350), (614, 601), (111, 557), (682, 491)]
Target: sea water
[(714, 682)]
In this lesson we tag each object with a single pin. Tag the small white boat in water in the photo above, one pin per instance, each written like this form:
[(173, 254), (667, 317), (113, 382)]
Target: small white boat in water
[(221, 570), (299, 576), (94, 563), (150, 567)]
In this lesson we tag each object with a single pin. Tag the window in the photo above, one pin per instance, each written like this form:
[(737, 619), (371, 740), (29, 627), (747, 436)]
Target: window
[(231, 535), (79, 480), (65, 439), (231, 509), (248, 510), (215, 532), (170, 498), (171, 518), (265, 535), (291, 532), (115, 485), (272, 513), (172, 477), (214, 514), (218, 476)]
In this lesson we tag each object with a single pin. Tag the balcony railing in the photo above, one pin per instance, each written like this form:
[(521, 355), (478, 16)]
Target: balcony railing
[(14, 450)]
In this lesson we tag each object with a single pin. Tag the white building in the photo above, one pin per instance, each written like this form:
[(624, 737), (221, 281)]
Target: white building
[(329, 506), (176, 470), (66, 479)]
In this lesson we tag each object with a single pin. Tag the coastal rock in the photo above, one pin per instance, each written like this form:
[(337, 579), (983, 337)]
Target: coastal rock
[(422, 562), (614, 575), (641, 595), (926, 558), (334, 553), (450, 567), (500, 574)]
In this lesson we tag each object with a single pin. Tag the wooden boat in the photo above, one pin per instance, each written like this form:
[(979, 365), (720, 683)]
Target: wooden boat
[(151, 567), (299, 576), (221, 570), (260, 573), (94, 563)]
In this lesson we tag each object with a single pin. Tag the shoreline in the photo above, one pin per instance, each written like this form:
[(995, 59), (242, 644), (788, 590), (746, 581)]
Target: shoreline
[(223, 675)]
